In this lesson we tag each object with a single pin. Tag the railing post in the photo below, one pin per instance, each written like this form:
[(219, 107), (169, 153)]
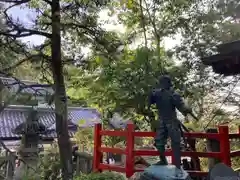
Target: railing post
[(172, 157), (213, 145), (97, 155), (225, 145), (130, 150)]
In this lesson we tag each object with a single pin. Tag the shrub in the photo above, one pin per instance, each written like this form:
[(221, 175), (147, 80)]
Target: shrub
[(101, 176), (49, 164)]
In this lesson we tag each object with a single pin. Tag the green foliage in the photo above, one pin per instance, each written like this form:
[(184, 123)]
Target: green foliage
[(101, 176), (49, 165), (84, 137), (124, 84), (115, 140)]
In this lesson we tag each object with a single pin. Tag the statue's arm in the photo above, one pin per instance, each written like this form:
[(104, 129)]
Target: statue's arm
[(180, 104)]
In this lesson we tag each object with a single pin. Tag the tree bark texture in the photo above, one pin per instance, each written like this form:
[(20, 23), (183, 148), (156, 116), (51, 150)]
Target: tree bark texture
[(60, 96)]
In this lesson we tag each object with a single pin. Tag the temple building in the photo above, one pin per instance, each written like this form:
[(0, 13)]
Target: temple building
[(15, 114)]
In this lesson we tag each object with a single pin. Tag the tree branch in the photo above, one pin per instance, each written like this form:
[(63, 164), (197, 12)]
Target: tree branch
[(25, 86), (29, 57), (24, 32), (17, 30), (16, 46), (15, 1), (48, 1)]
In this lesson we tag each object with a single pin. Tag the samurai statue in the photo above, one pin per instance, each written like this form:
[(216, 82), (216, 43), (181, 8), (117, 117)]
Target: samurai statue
[(167, 101)]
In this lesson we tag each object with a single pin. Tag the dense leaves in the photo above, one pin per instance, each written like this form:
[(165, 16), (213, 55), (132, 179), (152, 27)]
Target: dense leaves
[(101, 176), (122, 82)]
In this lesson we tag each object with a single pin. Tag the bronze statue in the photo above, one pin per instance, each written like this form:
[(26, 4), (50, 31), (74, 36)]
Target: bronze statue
[(167, 101)]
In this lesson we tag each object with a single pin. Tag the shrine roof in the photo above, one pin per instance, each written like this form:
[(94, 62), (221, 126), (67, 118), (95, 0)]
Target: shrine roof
[(12, 116), (227, 61), (13, 85)]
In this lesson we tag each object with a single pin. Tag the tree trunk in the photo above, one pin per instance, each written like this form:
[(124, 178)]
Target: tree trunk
[(60, 96)]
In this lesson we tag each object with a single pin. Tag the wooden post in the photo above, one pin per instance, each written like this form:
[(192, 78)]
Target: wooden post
[(78, 166), (225, 145), (1, 93), (84, 163), (213, 145), (10, 166), (172, 157), (185, 165), (97, 144), (89, 167), (130, 150), (195, 161)]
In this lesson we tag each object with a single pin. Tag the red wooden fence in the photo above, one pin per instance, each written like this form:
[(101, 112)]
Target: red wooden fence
[(223, 136)]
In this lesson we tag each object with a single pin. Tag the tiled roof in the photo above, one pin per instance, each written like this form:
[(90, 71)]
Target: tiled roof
[(14, 85), (12, 116)]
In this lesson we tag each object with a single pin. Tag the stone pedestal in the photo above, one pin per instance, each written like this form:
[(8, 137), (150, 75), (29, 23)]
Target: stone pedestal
[(28, 164), (168, 172), (221, 171)]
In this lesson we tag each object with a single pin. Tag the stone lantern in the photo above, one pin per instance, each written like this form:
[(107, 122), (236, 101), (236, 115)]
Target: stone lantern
[(30, 130)]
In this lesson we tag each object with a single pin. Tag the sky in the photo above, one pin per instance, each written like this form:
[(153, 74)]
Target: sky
[(25, 16)]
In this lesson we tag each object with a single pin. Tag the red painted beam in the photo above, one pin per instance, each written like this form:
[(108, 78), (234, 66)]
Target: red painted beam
[(112, 150), (225, 145), (113, 133), (144, 134), (168, 153), (202, 135), (234, 136), (130, 150), (97, 155), (185, 153), (112, 168), (192, 135), (202, 154), (235, 153)]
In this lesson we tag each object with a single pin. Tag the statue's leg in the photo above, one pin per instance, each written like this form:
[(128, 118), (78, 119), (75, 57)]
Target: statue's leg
[(175, 135), (160, 141)]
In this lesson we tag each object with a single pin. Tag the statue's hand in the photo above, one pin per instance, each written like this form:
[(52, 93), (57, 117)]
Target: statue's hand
[(194, 116), (188, 110)]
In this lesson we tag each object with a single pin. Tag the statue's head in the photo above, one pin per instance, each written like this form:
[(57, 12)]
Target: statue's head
[(165, 82)]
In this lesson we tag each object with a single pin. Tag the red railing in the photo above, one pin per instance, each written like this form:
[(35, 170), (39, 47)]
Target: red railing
[(223, 136)]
